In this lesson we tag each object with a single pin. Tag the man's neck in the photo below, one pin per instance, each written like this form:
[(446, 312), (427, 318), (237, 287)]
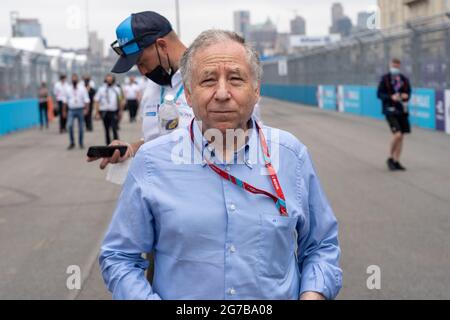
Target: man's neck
[(178, 53), (231, 144)]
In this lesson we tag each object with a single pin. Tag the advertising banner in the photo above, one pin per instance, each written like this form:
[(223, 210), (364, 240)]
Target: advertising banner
[(327, 97), (422, 108), (352, 99)]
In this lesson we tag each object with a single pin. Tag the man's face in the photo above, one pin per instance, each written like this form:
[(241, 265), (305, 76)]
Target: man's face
[(396, 65), (74, 79), (109, 80), (223, 92)]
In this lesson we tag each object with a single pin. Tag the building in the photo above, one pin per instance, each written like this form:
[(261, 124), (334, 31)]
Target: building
[(27, 28), (283, 44), (340, 23), (394, 13), (363, 20), (242, 23), (96, 45), (344, 26), (337, 12), (298, 26), (263, 37)]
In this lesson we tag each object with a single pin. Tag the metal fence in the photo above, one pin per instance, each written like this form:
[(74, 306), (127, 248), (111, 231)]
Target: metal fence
[(21, 72), (423, 45)]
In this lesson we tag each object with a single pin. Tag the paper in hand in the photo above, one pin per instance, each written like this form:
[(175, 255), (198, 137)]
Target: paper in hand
[(117, 173)]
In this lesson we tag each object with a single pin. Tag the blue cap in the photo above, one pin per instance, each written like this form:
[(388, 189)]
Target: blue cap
[(136, 33)]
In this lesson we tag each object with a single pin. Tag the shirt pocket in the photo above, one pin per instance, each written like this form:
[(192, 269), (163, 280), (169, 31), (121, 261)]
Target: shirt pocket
[(277, 244)]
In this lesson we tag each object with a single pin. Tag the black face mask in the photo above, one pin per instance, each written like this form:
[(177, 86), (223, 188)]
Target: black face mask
[(159, 75), (74, 83)]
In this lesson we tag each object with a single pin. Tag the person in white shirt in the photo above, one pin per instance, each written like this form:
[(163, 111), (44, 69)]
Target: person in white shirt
[(59, 91), (108, 107), (77, 102), (156, 50), (132, 96)]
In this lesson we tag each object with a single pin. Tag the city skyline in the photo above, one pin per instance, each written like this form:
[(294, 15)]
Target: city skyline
[(67, 29)]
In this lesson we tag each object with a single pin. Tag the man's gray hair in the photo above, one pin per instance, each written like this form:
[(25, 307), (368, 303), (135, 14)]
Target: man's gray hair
[(211, 37)]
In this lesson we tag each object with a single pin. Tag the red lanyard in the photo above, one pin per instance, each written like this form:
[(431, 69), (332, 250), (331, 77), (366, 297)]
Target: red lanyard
[(279, 200)]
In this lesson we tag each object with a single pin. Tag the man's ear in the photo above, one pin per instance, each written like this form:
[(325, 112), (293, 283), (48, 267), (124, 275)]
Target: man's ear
[(188, 95), (162, 45), (257, 92)]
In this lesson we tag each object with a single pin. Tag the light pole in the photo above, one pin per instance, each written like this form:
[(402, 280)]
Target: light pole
[(177, 13), (87, 28)]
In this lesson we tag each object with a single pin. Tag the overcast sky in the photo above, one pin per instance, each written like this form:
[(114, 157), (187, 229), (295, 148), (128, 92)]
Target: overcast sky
[(64, 21)]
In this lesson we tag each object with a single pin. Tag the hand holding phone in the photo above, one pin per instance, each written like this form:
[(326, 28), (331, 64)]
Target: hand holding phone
[(118, 151), (105, 151)]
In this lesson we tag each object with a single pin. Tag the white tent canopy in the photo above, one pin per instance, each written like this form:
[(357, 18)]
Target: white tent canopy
[(81, 58), (35, 45), (5, 42), (53, 52)]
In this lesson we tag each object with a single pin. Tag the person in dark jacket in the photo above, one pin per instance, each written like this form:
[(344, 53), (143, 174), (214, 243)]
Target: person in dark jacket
[(91, 92), (394, 91)]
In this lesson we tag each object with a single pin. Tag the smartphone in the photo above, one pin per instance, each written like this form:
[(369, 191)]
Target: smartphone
[(105, 151)]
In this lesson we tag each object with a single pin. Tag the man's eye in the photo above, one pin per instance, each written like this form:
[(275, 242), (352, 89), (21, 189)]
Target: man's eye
[(206, 81)]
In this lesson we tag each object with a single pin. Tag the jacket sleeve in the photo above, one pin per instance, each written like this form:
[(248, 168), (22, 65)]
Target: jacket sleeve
[(382, 92), (408, 88)]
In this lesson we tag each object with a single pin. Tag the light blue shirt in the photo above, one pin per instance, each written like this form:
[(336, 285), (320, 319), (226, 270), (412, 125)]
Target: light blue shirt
[(214, 240)]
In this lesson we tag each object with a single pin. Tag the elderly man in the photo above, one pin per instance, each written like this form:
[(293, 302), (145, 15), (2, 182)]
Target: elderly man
[(243, 230)]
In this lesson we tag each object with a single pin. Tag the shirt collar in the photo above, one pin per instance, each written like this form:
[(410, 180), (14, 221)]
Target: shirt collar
[(176, 79), (241, 156)]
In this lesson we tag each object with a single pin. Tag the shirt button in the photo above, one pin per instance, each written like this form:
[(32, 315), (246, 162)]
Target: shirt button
[(232, 291), (232, 249), (232, 207)]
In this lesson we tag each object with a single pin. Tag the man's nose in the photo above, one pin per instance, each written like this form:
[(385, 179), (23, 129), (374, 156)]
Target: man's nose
[(222, 92)]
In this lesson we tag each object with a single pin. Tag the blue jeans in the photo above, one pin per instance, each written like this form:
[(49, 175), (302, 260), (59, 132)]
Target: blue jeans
[(76, 113), (43, 117)]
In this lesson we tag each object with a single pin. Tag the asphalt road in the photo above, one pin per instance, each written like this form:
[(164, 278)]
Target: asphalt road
[(398, 221), (55, 208)]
